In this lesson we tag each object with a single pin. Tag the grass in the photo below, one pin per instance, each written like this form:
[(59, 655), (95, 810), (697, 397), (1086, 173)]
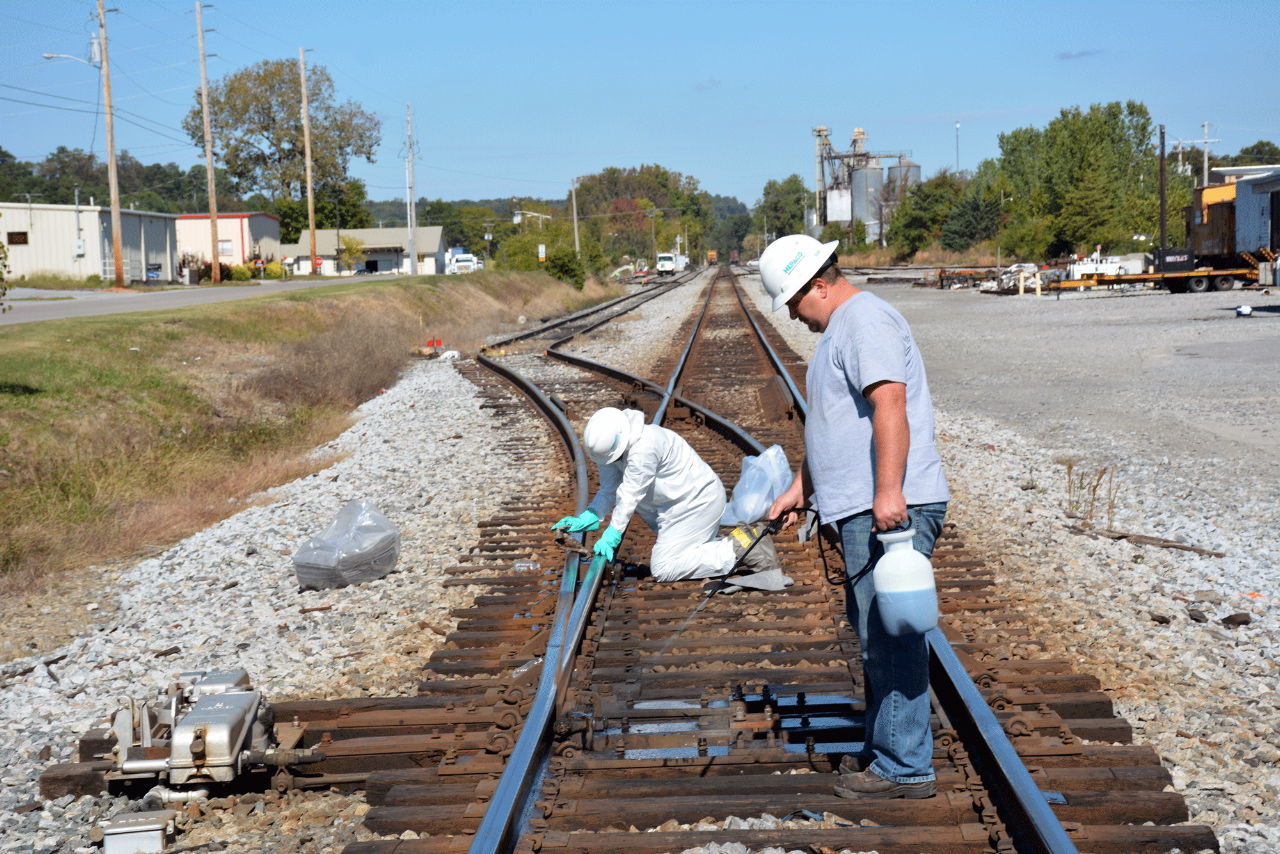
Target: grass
[(58, 282), (121, 433)]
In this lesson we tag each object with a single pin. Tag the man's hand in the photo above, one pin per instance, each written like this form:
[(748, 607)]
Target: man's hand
[(889, 510), (785, 505)]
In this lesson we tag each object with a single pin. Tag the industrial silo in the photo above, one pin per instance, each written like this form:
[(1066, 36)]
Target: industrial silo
[(902, 177), (867, 184)]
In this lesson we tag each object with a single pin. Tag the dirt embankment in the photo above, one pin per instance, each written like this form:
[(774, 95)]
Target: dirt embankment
[(122, 434)]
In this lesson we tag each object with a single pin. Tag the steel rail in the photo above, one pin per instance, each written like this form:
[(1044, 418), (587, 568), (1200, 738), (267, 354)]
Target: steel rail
[(661, 413), (1035, 828), (654, 291), (1034, 823), (516, 784)]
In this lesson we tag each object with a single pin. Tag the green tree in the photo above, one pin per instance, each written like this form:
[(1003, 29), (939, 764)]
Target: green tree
[(852, 235), (781, 207), (257, 128), (918, 221), (338, 205), (1261, 153), (974, 219), (352, 253)]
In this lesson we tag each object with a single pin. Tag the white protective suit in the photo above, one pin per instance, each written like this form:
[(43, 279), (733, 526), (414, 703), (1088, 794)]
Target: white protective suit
[(664, 481)]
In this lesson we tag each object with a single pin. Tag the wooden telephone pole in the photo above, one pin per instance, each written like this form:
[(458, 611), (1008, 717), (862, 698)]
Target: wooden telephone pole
[(215, 265), (306, 151), (113, 184)]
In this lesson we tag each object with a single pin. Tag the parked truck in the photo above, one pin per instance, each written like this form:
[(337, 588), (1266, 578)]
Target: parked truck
[(1219, 256)]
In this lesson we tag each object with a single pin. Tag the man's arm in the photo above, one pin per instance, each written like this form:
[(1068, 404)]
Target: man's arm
[(892, 437), (788, 502)]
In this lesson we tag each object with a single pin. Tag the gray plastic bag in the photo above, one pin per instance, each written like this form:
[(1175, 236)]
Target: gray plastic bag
[(359, 546)]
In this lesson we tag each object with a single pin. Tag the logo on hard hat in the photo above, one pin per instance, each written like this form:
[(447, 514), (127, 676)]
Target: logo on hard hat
[(791, 265)]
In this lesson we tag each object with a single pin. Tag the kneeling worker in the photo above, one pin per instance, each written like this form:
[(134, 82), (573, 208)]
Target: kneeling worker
[(651, 471)]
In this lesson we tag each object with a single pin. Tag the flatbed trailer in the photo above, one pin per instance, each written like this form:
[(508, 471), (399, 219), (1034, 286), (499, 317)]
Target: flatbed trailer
[(1189, 281)]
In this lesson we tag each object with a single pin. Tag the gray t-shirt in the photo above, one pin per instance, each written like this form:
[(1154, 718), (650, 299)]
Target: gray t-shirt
[(866, 341)]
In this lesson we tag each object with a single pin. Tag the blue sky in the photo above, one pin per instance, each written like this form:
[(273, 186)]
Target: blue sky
[(516, 98)]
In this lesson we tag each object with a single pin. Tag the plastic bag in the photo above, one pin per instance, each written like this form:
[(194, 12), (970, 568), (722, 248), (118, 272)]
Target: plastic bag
[(359, 546), (763, 479)]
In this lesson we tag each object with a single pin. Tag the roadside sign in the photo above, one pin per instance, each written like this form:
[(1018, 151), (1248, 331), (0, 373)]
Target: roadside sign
[(542, 252)]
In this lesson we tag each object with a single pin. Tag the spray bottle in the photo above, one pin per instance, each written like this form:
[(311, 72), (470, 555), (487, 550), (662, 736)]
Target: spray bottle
[(905, 591)]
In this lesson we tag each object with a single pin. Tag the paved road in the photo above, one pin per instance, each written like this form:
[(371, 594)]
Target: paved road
[(32, 304)]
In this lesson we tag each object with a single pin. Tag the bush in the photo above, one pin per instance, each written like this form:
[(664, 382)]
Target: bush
[(206, 272), (273, 270), (93, 280), (565, 265), (241, 273)]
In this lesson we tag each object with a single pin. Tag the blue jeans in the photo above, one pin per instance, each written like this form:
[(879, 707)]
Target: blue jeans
[(895, 670)]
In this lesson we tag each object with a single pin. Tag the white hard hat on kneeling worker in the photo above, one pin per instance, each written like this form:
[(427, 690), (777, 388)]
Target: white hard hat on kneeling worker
[(609, 432), (790, 262)]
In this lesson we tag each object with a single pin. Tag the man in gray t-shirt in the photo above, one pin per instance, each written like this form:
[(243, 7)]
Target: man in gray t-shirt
[(870, 466)]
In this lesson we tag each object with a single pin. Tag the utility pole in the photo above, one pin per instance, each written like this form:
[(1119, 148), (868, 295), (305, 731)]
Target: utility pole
[(1164, 209), (113, 184), (306, 151), (410, 195), (577, 248), (215, 266), (1205, 124)]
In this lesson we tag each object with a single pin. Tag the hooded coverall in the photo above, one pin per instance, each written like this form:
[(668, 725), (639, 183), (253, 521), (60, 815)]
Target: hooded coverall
[(664, 481)]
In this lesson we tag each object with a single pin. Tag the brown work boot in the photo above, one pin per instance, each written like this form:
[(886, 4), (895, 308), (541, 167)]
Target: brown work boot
[(852, 763), (868, 785)]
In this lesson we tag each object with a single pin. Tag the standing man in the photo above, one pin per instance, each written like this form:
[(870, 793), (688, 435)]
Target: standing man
[(870, 466)]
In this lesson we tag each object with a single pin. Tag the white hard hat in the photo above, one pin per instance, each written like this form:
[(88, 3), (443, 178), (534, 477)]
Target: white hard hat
[(610, 432), (1244, 310), (789, 263)]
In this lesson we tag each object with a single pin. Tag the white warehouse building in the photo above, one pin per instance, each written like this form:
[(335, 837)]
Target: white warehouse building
[(75, 241)]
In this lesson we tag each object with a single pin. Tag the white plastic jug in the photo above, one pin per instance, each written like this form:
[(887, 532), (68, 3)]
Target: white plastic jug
[(905, 592)]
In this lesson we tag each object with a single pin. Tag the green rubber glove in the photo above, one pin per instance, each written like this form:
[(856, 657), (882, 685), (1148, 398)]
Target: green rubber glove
[(588, 521), (608, 542)]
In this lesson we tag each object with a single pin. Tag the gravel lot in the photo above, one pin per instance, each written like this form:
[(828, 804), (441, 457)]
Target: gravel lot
[(1178, 397)]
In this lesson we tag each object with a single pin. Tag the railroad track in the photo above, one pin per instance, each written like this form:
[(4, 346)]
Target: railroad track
[(581, 707)]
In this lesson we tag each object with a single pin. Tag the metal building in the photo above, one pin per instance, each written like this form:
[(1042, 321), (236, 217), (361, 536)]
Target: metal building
[(1257, 206), (75, 241), (241, 236)]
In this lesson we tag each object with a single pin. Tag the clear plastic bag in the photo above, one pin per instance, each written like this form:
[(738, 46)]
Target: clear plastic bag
[(359, 546), (763, 479)]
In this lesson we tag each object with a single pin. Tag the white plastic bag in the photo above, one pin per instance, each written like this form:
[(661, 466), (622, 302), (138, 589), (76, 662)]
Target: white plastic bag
[(359, 546), (763, 479)]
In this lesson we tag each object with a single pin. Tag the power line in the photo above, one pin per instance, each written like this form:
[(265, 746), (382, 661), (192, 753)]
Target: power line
[(94, 112), (136, 115)]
